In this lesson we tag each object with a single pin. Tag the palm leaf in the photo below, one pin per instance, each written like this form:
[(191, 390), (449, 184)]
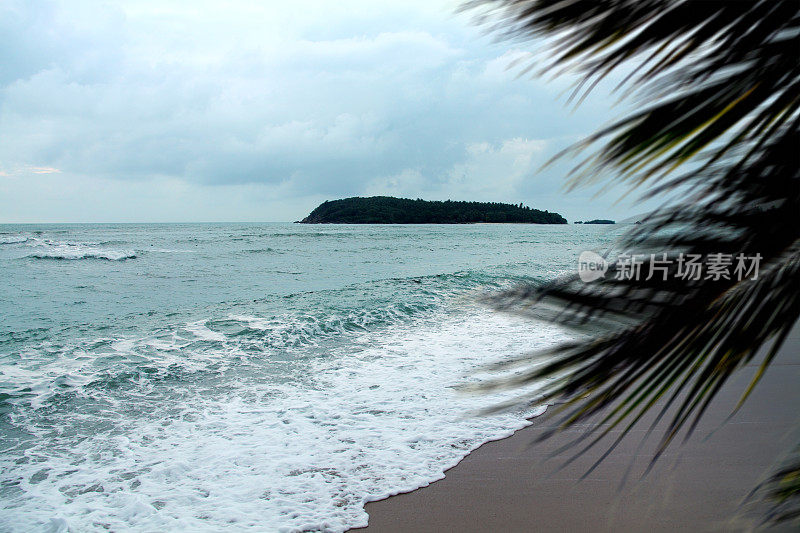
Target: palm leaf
[(720, 125), (782, 488)]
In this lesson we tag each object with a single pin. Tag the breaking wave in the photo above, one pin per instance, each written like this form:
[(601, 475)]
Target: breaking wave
[(68, 250), (193, 428), (14, 239)]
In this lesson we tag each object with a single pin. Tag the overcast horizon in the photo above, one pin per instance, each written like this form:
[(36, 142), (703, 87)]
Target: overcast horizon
[(231, 112)]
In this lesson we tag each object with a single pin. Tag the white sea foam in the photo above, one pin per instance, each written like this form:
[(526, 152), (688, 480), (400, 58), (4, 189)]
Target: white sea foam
[(201, 331), (293, 330), (83, 253), (13, 239), (68, 250), (376, 416)]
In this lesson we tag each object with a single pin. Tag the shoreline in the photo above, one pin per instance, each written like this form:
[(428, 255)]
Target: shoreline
[(513, 484)]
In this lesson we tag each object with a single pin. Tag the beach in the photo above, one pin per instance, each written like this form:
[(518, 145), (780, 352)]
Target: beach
[(145, 390), (264, 377), (697, 485)]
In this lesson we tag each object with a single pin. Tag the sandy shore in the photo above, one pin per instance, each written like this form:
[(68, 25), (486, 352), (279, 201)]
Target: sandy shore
[(698, 485)]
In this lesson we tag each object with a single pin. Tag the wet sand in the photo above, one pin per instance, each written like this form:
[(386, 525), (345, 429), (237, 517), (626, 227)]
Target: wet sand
[(697, 485)]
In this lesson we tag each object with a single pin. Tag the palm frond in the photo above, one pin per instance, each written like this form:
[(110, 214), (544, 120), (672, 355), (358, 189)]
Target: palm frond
[(720, 86), (783, 489)]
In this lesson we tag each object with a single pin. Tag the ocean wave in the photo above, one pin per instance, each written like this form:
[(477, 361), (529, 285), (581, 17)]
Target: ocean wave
[(249, 400), (185, 349), (293, 331), (243, 334), (71, 250), (14, 239), (172, 251), (73, 254), (262, 251), (336, 234), (253, 448)]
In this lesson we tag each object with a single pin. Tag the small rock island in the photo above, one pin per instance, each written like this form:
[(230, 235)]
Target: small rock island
[(597, 221), (390, 210)]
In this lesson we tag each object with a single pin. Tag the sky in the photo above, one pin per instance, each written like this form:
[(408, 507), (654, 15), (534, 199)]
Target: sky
[(174, 111)]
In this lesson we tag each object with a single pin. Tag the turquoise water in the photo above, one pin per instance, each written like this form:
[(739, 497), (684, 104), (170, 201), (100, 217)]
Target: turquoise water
[(272, 377)]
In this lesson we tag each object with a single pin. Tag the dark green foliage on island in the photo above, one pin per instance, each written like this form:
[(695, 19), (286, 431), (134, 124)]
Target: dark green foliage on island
[(390, 210), (600, 221)]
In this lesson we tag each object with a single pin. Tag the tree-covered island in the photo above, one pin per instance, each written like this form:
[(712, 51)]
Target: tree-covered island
[(390, 210), (597, 221)]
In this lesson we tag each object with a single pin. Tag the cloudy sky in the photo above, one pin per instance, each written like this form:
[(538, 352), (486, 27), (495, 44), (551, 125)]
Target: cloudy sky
[(123, 111)]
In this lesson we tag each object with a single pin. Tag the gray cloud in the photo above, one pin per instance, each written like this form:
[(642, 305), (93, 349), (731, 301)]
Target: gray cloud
[(405, 100)]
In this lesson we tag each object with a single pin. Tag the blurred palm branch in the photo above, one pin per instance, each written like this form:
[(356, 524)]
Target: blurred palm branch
[(781, 489), (718, 125)]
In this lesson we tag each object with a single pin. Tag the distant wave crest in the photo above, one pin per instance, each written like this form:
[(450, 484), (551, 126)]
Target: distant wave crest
[(66, 250), (108, 255), (14, 239)]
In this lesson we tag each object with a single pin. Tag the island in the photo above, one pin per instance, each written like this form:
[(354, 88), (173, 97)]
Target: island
[(390, 210), (600, 221)]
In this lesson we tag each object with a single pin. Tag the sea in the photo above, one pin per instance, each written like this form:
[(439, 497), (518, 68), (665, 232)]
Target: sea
[(254, 377)]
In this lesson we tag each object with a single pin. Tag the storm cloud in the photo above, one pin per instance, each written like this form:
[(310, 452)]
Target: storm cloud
[(244, 111)]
